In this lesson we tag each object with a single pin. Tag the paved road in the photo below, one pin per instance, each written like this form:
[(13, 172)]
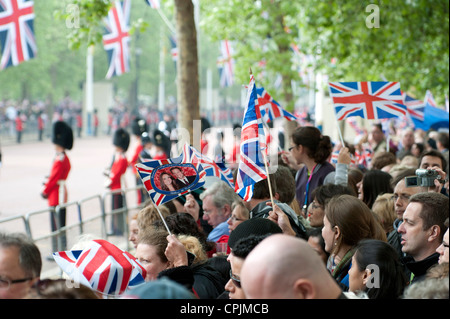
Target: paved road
[(23, 170), (25, 166)]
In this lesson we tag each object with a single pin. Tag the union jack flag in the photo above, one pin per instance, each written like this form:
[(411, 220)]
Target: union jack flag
[(251, 166), (369, 100), (150, 172), (102, 266), (116, 38), (212, 168), (173, 48), (226, 64), (364, 157), (429, 99), (155, 4), (335, 155), (270, 109), (415, 107), (16, 32)]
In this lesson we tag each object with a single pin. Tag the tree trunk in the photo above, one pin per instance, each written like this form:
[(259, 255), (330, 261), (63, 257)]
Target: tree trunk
[(187, 67)]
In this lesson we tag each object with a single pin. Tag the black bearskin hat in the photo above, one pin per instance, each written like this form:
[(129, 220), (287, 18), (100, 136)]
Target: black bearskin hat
[(62, 135), (121, 139), (139, 126)]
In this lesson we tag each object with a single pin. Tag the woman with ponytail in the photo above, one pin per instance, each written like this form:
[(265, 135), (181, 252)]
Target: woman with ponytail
[(309, 152)]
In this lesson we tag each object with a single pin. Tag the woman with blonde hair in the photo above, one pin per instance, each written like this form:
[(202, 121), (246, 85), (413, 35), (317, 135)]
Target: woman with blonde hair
[(384, 208), (347, 221)]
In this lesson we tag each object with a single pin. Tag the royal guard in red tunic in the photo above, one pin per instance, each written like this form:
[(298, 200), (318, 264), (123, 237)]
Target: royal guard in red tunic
[(19, 126), (138, 127), (121, 141), (55, 190)]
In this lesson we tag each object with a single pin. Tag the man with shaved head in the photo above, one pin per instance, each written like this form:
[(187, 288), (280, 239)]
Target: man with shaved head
[(286, 267)]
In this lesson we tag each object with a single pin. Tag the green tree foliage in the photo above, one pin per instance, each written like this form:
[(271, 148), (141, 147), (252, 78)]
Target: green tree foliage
[(410, 46)]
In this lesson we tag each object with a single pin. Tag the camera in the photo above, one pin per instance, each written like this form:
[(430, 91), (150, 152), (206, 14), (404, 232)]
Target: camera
[(423, 178)]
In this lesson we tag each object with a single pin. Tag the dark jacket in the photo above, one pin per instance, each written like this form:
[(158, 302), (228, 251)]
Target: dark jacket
[(205, 281), (420, 268)]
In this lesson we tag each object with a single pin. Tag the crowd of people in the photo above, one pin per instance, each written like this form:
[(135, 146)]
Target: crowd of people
[(369, 226)]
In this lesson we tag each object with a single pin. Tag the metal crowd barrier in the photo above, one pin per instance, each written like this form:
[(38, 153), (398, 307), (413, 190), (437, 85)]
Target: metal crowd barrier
[(90, 210)]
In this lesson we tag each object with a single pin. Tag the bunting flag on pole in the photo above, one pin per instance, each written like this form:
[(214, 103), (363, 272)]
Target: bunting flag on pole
[(270, 109), (116, 39), (429, 99), (162, 179), (173, 48), (155, 4), (369, 100), (17, 39), (251, 166), (415, 107), (103, 267), (212, 168), (226, 64)]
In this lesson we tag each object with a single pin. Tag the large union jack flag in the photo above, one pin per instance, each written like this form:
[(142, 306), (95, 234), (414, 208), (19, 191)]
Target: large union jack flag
[(16, 32), (102, 266), (150, 173), (251, 166), (369, 100), (270, 109), (117, 38), (212, 168), (226, 64)]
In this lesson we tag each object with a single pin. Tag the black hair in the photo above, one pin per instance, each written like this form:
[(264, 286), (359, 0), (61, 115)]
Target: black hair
[(392, 280), (319, 146)]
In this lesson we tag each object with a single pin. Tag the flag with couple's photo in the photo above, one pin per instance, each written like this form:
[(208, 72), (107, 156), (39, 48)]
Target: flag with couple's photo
[(369, 100), (164, 179)]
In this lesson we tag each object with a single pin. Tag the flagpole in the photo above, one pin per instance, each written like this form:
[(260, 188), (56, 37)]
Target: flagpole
[(337, 121)]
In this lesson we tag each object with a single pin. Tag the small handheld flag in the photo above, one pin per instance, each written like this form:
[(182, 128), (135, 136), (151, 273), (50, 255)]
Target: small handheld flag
[(270, 109), (252, 168), (369, 100)]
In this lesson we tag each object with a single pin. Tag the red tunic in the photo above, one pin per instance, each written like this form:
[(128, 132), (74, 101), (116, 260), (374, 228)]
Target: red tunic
[(59, 172), (118, 168), (135, 158)]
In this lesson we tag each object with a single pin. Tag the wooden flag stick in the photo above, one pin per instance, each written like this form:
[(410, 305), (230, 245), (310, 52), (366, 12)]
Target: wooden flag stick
[(162, 218), (268, 178)]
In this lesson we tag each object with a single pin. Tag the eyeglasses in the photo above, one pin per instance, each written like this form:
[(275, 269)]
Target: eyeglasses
[(236, 281), (6, 283), (235, 219), (404, 198)]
